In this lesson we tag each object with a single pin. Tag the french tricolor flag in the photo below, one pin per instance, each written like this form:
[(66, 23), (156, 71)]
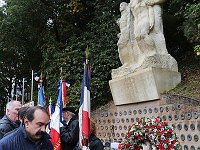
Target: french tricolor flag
[(50, 111), (56, 120), (84, 109)]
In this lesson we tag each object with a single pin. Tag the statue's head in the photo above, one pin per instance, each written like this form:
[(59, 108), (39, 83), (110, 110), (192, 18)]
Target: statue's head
[(123, 6)]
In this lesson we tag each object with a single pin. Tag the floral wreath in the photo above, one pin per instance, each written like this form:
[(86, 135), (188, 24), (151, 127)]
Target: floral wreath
[(153, 131)]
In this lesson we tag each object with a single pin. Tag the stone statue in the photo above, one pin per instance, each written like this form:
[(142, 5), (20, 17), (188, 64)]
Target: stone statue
[(141, 41), (147, 68), (123, 35)]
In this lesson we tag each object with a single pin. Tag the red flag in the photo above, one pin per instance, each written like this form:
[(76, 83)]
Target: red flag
[(64, 93)]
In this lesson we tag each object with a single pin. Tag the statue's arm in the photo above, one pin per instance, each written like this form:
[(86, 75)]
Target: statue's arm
[(154, 2), (151, 18)]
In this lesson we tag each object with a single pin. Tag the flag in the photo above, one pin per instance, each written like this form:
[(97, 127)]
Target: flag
[(65, 85), (50, 111), (56, 122), (84, 109), (41, 98)]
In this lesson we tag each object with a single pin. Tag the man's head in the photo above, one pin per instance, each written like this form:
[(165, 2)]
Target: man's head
[(22, 113), (68, 113), (35, 122), (12, 109)]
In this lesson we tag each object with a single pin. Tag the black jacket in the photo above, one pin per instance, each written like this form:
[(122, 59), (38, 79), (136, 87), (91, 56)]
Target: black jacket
[(70, 135), (95, 143), (19, 140), (6, 125)]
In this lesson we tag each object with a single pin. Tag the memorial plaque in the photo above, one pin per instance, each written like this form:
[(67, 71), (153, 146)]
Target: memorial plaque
[(182, 116), (178, 107), (139, 111), (106, 114), (130, 112), (185, 147), (164, 118), (120, 113), (192, 126), (155, 110), (179, 126), (167, 109), (196, 138), (196, 115), (132, 120), (189, 137), (161, 109), (145, 111), (198, 126), (182, 137), (185, 127), (170, 117), (176, 117), (192, 148), (135, 112), (150, 110), (125, 113), (189, 116)]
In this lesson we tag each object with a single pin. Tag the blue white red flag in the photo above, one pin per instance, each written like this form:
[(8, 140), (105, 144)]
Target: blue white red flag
[(50, 111), (41, 98), (84, 109), (56, 122)]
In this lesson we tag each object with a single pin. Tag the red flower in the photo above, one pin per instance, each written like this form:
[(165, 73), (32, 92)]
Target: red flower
[(168, 135), (164, 124), (129, 135), (171, 145), (157, 120), (152, 131)]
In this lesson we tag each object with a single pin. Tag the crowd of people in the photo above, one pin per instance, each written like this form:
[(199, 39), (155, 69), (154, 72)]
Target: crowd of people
[(24, 128)]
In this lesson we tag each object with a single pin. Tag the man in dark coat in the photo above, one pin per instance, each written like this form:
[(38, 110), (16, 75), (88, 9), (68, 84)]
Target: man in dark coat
[(31, 135), (69, 133), (9, 121)]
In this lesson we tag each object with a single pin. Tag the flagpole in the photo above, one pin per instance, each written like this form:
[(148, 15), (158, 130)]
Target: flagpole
[(23, 92), (61, 76), (85, 96), (87, 55), (32, 87)]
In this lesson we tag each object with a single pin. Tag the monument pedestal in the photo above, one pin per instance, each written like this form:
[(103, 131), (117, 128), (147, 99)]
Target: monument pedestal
[(143, 85)]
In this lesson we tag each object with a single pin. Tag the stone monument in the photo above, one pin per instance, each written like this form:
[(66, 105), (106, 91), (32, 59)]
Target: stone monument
[(147, 68)]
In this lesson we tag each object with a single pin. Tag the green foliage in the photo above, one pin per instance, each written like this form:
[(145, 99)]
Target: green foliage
[(189, 14), (99, 34)]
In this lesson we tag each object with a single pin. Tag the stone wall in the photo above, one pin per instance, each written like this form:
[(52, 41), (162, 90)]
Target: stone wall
[(180, 112)]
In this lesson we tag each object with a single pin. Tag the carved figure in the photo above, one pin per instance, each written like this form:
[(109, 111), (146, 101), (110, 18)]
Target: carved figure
[(123, 35), (141, 41)]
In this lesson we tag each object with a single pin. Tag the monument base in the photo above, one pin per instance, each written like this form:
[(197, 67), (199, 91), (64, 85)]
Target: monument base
[(143, 85)]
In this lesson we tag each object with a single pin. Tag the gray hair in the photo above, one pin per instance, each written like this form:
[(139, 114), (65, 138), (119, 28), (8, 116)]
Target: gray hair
[(71, 113), (11, 104)]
